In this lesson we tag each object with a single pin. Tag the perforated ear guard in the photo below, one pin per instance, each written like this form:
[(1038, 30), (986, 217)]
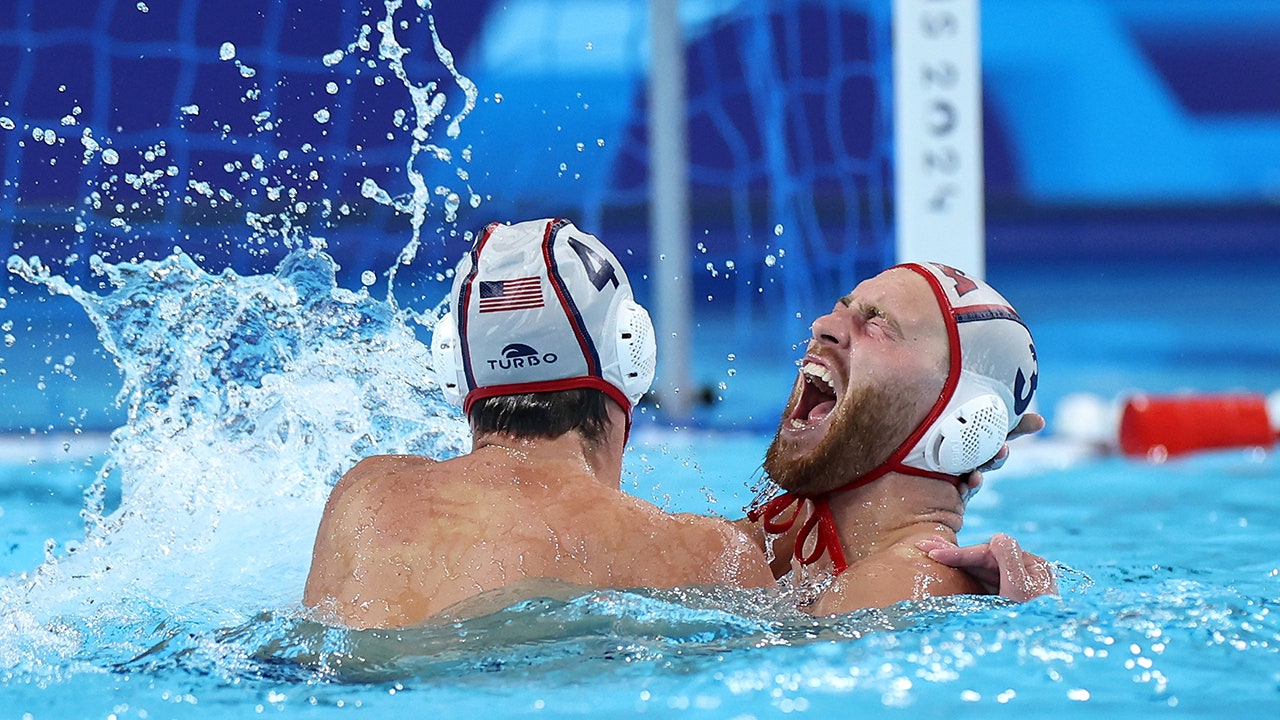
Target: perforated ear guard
[(968, 437), (969, 432), (446, 360), (637, 349)]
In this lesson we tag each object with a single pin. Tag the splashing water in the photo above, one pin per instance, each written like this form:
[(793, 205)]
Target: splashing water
[(428, 105), (247, 398)]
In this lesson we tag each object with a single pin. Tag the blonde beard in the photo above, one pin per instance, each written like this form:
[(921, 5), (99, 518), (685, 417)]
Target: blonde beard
[(867, 428)]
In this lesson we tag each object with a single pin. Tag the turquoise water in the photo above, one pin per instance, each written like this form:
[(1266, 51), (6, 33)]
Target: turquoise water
[(155, 570), (178, 547), (1169, 602)]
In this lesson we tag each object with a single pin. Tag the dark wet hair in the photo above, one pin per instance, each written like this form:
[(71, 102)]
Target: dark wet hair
[(544, 414)]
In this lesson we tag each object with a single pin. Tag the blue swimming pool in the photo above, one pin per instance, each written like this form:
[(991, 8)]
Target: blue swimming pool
[(174, 424), (180, 599)]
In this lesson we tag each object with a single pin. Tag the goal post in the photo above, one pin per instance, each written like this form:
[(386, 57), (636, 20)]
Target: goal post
[(669, 249)]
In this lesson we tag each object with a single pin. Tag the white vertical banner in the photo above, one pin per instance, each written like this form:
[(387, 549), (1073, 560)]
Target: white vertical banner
[(937, 127)]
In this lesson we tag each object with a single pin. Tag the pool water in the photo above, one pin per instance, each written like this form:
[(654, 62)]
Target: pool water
[(157, 572), (1144, 623)]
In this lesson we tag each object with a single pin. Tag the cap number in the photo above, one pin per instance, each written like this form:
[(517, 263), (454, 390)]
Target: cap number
[(599, 271), (1022, 385)]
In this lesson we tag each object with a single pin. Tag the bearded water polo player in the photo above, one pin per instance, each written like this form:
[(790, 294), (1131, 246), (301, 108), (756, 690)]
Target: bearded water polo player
[(912, 381)]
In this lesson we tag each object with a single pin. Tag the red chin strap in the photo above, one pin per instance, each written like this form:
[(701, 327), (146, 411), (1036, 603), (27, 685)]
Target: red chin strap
[(827, 542)]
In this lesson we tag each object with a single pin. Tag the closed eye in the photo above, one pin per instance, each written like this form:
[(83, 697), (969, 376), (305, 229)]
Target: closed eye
[(875, 317)]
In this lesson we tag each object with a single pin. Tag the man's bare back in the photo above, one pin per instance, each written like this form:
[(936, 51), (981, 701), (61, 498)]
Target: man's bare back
[(404, 538)]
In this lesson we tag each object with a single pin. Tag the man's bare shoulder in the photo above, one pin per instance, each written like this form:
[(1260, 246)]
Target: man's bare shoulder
[(899, 572), (379, 466), (380, 474), (734, 556)]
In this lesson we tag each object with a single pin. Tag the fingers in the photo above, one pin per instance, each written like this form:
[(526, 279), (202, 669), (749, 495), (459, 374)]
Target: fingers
[(996, 462), (976, 560), (1013, 574), (1023, 575), (970, 484), (1029, 424), (1001, 566), (1041, 580)]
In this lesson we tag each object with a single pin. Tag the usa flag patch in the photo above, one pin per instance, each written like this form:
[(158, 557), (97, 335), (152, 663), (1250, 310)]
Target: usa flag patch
[(517, 294)]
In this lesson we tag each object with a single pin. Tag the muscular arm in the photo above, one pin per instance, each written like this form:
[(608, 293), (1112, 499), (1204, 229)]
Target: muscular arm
[(777, 549), (363, 570), (331, 560)]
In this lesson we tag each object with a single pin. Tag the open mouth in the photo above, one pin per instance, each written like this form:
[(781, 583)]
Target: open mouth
[(817, 397)]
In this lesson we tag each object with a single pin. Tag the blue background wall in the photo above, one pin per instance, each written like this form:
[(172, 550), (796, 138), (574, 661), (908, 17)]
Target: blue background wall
[(1122, 137), (1112, 126)]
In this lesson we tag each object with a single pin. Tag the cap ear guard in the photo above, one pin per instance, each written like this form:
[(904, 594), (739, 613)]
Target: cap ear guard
[(446, 360), (966, 436), (637, 349)]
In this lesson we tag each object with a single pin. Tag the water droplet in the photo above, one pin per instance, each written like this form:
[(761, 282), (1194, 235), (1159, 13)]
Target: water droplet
[(110, 157), (497, 97), (7, 123), (9, 340), (581, 147), (368, 278), (142, 8), (770, 260), (590, 46), (732, 357), (332, 58), (331, 88), (731, 372), (190, 109), (777, 229), (322, 115), (227, 51)]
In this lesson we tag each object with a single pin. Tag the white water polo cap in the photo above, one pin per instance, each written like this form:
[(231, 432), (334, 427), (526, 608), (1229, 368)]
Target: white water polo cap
[(541, 306), (989, 386)]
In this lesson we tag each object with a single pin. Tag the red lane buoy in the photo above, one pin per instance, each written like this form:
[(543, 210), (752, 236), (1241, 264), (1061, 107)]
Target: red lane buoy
[(1156, 427)]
